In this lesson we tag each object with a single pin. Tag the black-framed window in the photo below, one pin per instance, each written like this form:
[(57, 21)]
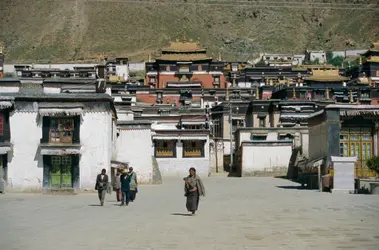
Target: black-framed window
[(61, 130), (4, 127), (193, 148), (262, 122), (165, 149)]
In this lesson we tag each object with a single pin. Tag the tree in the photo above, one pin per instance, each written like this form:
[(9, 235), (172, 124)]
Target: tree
[(373, 164), (336, 61)]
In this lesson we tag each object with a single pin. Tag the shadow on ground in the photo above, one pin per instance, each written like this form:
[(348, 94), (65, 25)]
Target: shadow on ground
[(292, 187), (181, 214)]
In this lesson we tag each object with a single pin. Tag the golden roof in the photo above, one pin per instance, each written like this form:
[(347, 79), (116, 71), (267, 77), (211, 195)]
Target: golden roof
[(183, 57), (327, 78), (183, 51), (326, 75), (184, 46), (373, 48)]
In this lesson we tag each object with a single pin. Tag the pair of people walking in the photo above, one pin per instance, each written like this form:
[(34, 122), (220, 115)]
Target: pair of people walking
[(125, 186)]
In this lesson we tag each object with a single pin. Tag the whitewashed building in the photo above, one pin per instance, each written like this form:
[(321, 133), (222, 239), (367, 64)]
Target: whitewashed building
[(134, 146), (55, 141), (177, 150)]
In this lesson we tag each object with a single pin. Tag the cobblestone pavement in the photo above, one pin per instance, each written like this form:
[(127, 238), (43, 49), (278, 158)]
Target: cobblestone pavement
[(249, 213)]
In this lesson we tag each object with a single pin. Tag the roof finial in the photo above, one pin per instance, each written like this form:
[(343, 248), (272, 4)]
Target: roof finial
[(360, 60), (219, 56)]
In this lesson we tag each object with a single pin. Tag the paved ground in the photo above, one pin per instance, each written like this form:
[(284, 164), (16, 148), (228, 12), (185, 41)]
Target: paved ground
[(250, 213)]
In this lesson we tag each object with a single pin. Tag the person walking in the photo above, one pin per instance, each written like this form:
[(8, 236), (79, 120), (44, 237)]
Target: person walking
[(102, 185), (117, 185), (133, 184), (125, 188), (193, 188)]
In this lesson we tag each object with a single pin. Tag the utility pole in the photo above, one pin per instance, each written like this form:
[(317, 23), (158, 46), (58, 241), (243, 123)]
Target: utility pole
[(231, 137), (230, 127)]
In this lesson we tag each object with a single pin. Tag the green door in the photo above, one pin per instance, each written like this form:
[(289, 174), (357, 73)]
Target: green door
[(61, 172)]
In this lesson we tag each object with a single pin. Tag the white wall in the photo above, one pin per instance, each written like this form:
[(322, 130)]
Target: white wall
[(9, 89), (135, 146), (95, 137), (50, 90), (25, 164), (265, 158), (135, 66), (179, 166)]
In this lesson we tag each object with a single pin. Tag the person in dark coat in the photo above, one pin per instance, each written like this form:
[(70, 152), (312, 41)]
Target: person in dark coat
[(102, 185), (125, 188), (193, 188)]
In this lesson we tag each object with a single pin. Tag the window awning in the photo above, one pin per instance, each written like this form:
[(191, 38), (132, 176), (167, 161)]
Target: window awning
[(4, 150), (193, 122), (5, 104), (60, 151), (261, 115), (195, 138), (60, 111)]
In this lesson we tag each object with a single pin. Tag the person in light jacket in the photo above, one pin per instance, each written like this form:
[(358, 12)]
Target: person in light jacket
[(133, 184), (117, 185)]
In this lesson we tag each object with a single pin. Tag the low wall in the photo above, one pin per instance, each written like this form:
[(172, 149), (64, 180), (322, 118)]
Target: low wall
[(265, 158)]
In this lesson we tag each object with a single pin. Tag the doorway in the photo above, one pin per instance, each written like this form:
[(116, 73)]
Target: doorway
[(3, 167), (60, 171)]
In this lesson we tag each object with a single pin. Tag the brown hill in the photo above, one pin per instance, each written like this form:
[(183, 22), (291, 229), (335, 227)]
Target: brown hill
[(73, 30)]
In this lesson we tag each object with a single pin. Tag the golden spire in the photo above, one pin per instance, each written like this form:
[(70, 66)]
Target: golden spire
[(219, 56), (257, 93), (149, 58), (227, 92), (360, 60), (1, 47)]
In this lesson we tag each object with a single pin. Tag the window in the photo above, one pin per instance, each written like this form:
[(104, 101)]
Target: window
[(193, 149), (216, 80), (61, 130), (184, 69), (262, 122), (192, 126), (165, 149), (152, 80), (357, 142), (1, 124), (365, 95), (258, 137)]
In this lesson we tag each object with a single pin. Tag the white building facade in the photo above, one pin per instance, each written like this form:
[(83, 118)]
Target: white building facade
[(55, 141)]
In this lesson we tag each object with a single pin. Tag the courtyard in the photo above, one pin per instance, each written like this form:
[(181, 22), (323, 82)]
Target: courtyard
[(237, 213)]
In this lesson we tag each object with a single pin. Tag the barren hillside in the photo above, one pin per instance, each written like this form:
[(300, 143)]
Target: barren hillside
[(73, 30)]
